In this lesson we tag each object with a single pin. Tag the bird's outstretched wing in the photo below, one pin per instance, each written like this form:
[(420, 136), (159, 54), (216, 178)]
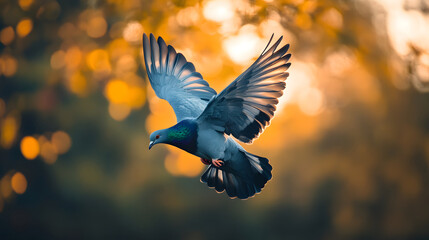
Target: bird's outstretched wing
[(175, 79), (247, 105)]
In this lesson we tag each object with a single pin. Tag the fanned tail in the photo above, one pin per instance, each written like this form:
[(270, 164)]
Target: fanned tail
[(241, 178)]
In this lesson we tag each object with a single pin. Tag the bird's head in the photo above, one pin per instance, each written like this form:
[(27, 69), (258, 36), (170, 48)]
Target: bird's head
[(159, 136), (178, 135)]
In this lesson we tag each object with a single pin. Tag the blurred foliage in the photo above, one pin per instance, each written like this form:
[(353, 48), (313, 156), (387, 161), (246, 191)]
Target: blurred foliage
[(349, 144)]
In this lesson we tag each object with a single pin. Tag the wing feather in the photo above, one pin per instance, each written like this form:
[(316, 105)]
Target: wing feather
[(174, 79), (247, 105)]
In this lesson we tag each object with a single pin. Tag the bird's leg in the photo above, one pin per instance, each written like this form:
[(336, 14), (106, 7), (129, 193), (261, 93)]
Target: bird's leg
[(217, 163), (206, 161)]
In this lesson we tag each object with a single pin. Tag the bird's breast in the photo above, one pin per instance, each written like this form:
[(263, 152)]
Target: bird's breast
[(210, 143)]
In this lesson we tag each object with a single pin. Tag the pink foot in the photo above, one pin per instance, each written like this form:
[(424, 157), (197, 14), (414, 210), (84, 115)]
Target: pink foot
[(217, 163), (205, 161)]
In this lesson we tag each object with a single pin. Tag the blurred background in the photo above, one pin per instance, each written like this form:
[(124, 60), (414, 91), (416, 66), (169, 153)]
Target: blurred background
[(349, 145)]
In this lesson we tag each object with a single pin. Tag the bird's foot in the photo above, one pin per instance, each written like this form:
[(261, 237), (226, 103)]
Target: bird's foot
[(206, 161), (217, 163)]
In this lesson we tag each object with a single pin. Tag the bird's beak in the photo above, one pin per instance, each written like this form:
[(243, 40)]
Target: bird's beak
[(151, 144)]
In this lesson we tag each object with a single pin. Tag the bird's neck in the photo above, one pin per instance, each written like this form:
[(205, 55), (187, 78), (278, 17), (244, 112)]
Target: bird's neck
[(184, 135)]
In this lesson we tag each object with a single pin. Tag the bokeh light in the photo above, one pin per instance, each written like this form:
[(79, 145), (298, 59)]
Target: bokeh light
[(117, 91), (333, 18), (67, 30), (218, 10), (98, 60), (61, 142), (8, 65), (48, 152), (136, 97), (311, 101), (9, 127), (133, 32), (125, 64), (237, 47), (73, 57), (19, 183), (7, 35), (58, 59), (25, 4), (188, 16), (119, 47), (93, 23), (119, 111), (24, 27), (96, 27), (78, 84), (5, 186), (30, 147)]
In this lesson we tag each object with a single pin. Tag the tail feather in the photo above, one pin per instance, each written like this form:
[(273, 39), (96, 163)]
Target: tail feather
[(240, 178)]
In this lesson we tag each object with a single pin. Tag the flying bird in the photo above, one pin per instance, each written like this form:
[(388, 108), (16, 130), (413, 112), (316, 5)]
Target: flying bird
[(208, 123)]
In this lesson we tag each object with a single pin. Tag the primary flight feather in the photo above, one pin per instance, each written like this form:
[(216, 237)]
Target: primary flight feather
[(206, 120)]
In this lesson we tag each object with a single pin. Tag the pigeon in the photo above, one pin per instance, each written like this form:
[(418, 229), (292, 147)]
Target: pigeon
[(209, 124)]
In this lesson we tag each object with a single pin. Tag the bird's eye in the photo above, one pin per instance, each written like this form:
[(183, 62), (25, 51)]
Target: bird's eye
[(157, 136)]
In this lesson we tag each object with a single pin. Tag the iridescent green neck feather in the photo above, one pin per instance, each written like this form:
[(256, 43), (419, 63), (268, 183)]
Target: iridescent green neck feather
[(184, 135), (179, 133)]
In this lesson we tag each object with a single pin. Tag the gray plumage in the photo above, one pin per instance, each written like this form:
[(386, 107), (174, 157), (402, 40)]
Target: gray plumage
[(207, 120)]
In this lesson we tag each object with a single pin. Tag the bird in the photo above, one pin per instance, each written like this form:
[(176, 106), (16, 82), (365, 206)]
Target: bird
[(210, 124)]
